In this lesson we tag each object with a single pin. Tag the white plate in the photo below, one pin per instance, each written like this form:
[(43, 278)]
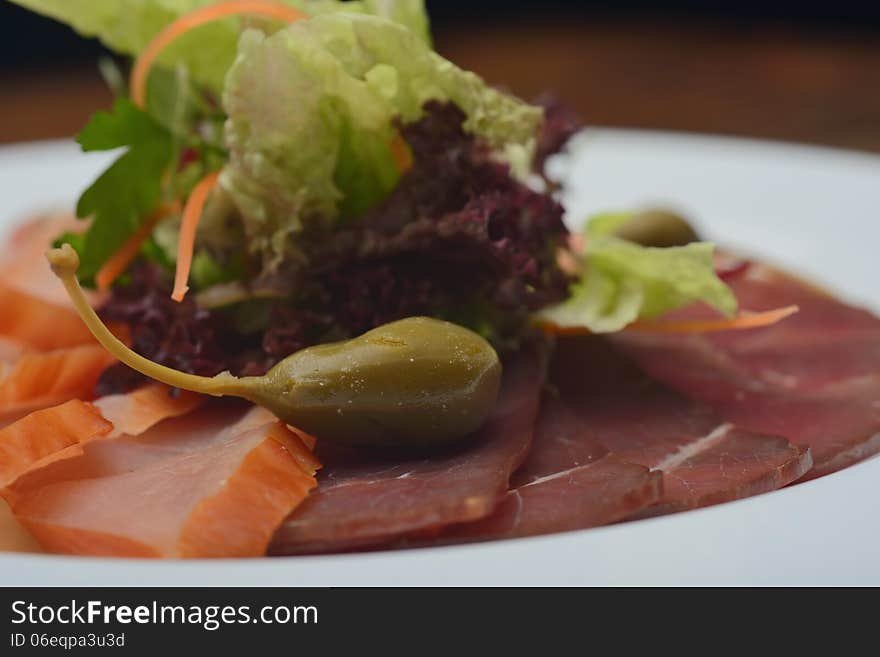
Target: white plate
[(814, 210)]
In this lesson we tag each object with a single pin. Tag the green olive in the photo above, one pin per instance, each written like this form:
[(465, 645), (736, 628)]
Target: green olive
[(412, 383), (657, 228)]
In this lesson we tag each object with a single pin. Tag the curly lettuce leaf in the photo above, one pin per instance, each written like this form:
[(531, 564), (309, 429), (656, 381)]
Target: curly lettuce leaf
[(605, 224), (599, 302), (623, 282), (409, 13), (311, 119), (130, 189), (127, 26)]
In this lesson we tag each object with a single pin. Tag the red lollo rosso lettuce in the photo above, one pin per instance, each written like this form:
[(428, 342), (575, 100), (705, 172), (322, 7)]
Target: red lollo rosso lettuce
[(459, 238), (561, 123)]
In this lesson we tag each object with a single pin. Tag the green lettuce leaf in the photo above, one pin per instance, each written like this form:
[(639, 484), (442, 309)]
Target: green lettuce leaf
[(409, 13), (311, 119), (127, 26), (623, 281), (604, 225), (130, 189)]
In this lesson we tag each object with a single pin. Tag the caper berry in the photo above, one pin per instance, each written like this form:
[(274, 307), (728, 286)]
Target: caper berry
[(659, 228), (412, 383), (418, 381)]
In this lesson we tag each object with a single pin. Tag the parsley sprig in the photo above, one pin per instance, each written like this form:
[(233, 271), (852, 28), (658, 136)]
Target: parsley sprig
[(130, 189)]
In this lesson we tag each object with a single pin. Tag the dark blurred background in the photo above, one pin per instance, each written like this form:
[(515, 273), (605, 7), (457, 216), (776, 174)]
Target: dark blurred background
[(796, 71)]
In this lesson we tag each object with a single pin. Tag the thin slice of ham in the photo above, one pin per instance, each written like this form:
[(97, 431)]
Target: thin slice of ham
[(60, 432), (569, 481), (47, 355), (23, 265), (213, 483), (46, 436), (13, 537), (135, 412), (10, 351), (34, 308), (34, 380), (37, 323), (704, 459), (814, 378), (366, 500)]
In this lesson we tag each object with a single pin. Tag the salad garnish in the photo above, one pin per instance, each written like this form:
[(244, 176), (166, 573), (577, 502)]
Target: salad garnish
[(314, 170), (144, 62)]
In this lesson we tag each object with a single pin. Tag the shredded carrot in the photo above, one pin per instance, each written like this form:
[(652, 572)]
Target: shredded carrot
[(119, 261), (192, 212), (549, 328), (568, 262), (745, 320), (402, 154), (194, 19), (577, 243)]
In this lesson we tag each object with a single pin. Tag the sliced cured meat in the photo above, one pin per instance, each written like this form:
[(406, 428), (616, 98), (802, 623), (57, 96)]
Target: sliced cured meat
[(34, 307), (569, 481), (10, 351), (814, 378), (607, 491), (704, 460), (38, 323), (134, 413), (39, 380), (213, 483), (841, 426), (59, 432), (825, 343), (728, 464), (43, 436), (22, 259), (369, 500), (13, 537)]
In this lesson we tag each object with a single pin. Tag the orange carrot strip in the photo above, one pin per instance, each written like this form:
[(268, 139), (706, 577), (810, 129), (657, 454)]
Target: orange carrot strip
[(37, 439), (119, 261), (745, 320), (194, 19), (549, 328), (402, 154), (191, 215)]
